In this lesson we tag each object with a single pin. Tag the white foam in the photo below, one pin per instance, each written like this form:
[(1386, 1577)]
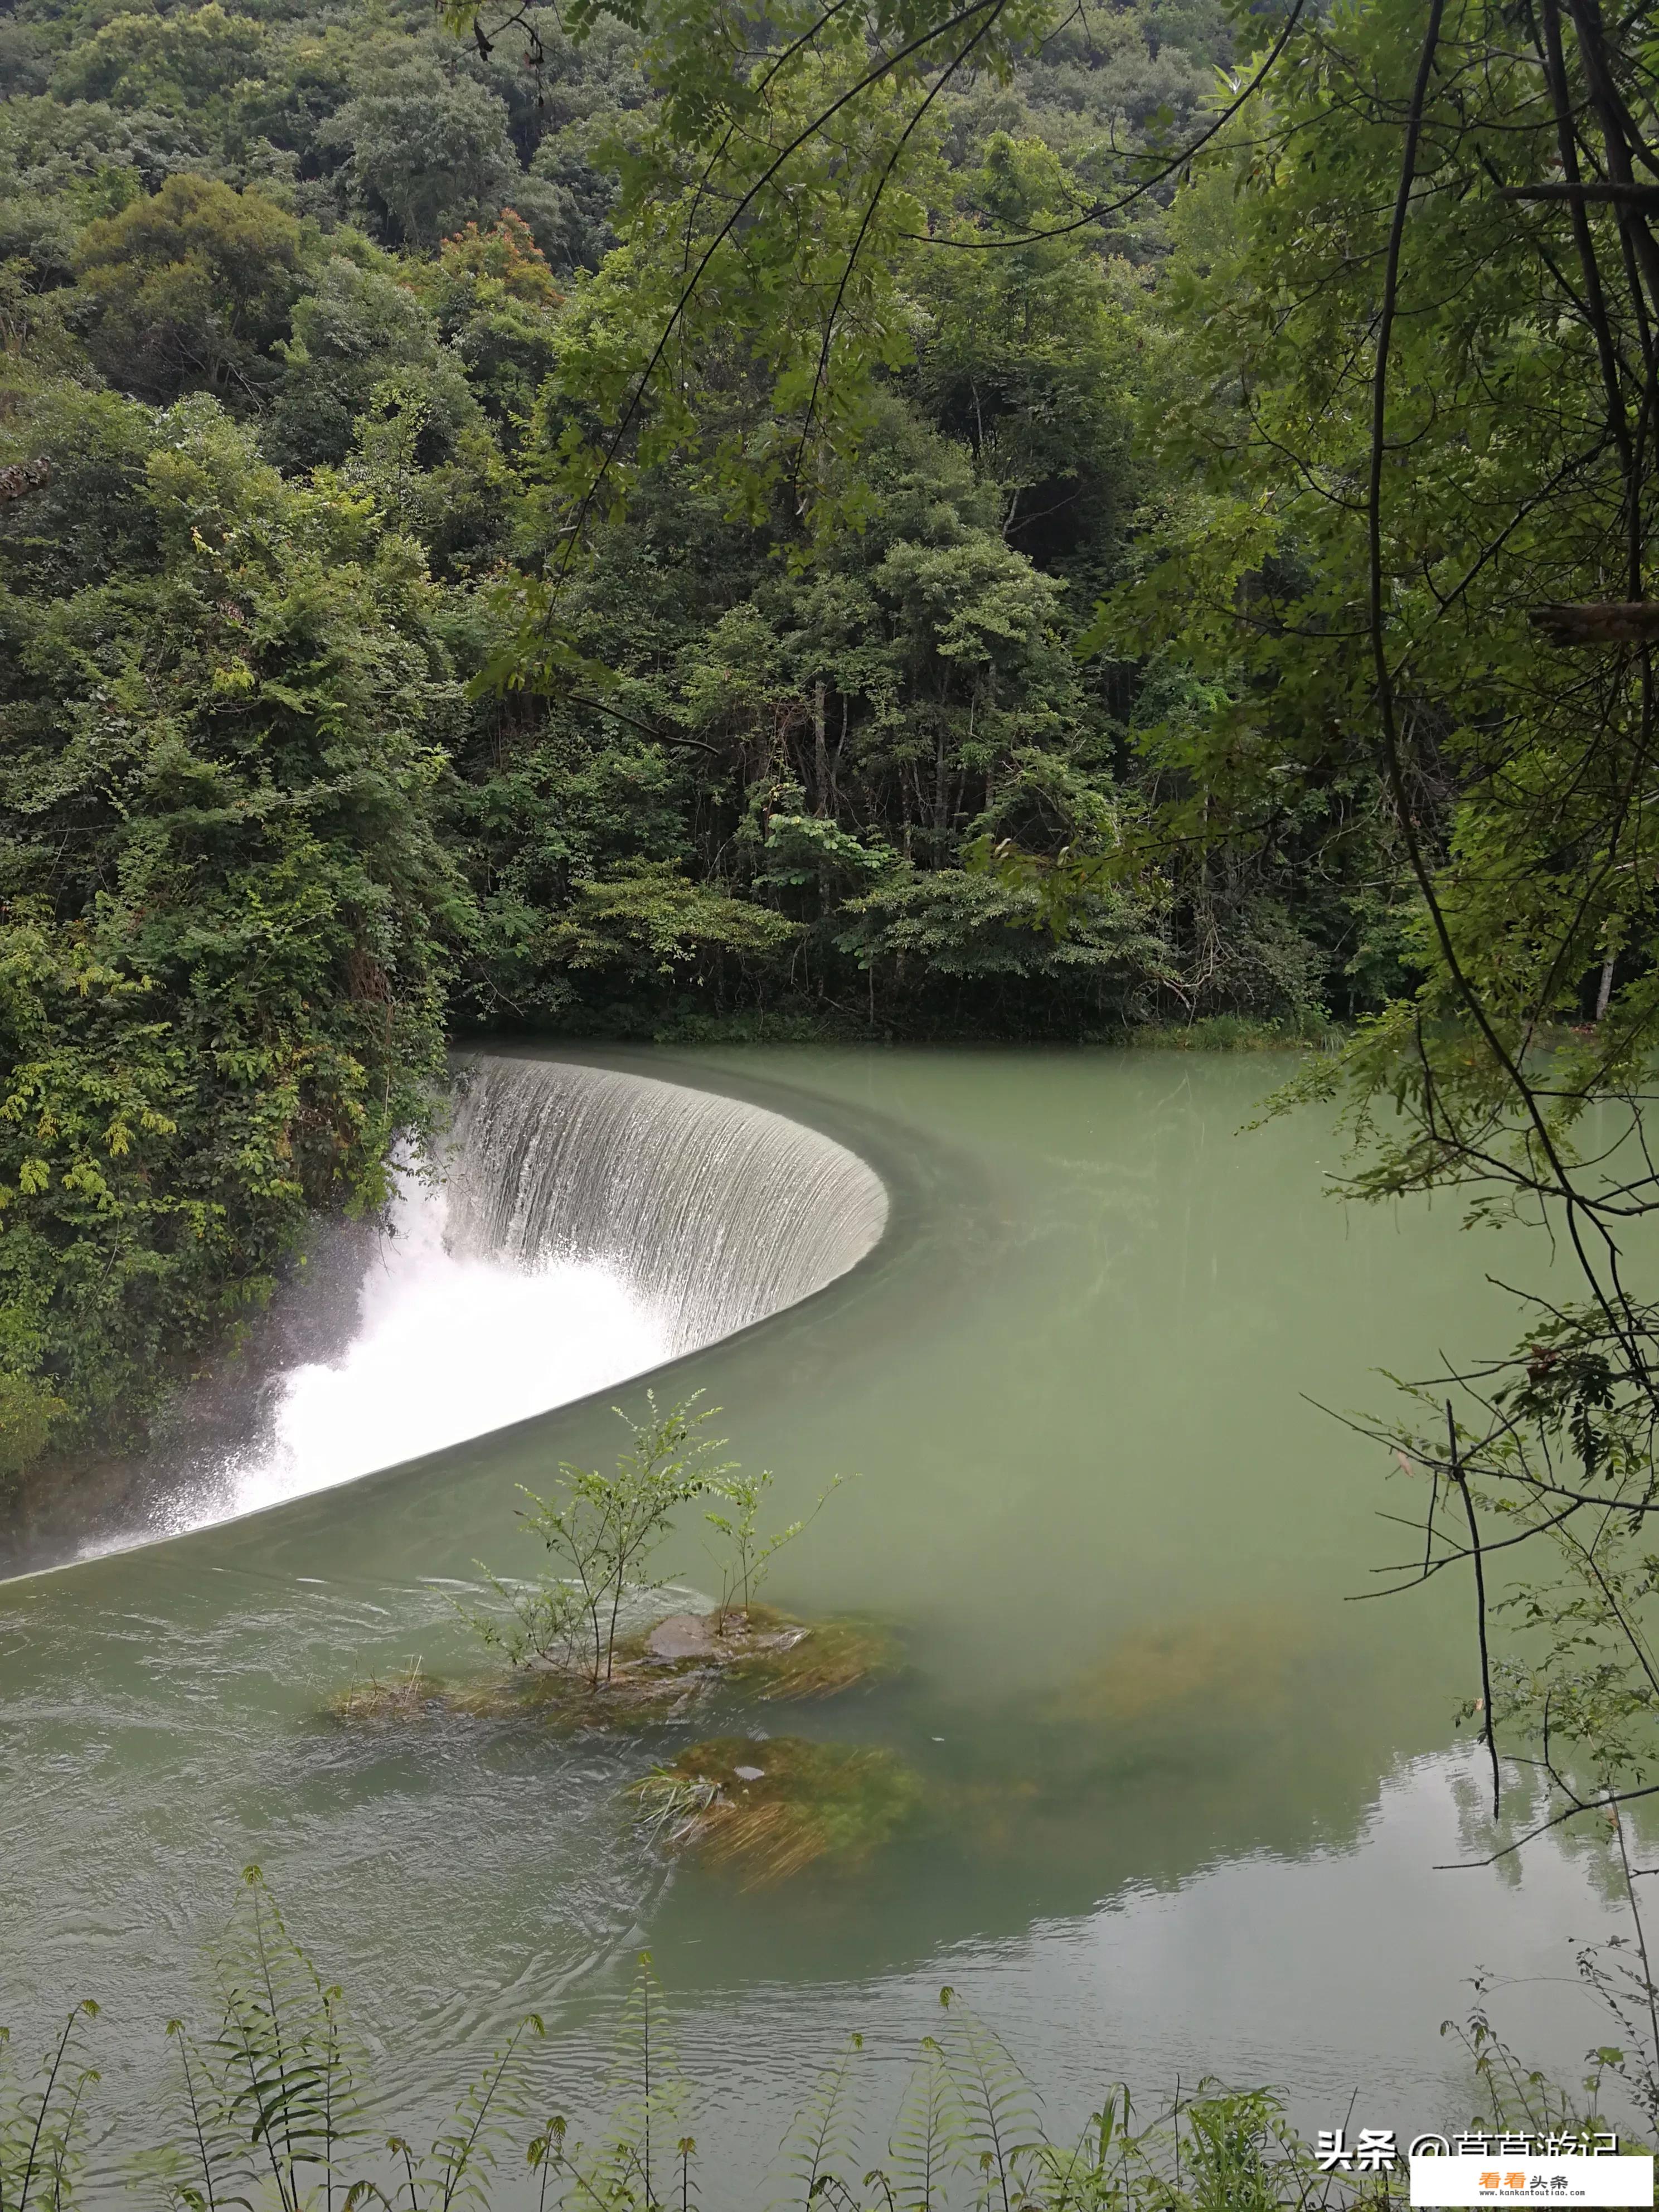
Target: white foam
[(589, 1226), (447, 1347)]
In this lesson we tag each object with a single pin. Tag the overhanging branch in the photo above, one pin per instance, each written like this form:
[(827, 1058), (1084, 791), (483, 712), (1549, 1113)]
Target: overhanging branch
[(1607, 622)]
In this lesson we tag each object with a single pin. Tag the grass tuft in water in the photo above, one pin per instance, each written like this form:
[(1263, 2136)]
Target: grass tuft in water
[(770, 1807), (569, 1701), (409, 1695), (765, 1653), (785, 1658)]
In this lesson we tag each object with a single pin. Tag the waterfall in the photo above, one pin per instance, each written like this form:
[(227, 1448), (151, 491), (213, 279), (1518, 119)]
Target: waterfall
[(715, 1213), (585, 1227)]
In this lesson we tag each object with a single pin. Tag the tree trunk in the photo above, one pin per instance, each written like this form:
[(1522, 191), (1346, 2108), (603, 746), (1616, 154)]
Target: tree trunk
[(1610, 622)]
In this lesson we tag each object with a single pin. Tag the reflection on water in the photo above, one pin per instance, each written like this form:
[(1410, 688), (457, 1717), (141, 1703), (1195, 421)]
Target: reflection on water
[(1188, 1798)]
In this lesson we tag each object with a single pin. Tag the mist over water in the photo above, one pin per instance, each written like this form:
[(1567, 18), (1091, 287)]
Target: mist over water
[(582, 1227), (447, 1347)]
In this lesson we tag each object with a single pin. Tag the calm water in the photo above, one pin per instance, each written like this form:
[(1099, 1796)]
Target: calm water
[(1187, 1797)]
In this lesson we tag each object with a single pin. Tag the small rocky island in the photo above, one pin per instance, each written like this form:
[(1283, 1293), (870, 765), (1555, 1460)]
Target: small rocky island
[(684, 1662)]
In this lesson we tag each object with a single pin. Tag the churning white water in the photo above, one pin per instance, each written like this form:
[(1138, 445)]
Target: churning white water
[(586, 1225), (447, 1347)]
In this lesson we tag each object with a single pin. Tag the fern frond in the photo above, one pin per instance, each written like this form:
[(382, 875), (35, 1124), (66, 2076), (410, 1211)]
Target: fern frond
[(821, 2145), (929, 2142), (640, 2159), (207, 2165), (39, 2126), (1003, 2128), (457, 2169), (283, 2100), (604, 2180)]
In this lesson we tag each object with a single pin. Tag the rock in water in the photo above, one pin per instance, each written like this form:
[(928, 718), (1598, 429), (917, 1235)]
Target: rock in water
[(681, 1635), (749, 1773)]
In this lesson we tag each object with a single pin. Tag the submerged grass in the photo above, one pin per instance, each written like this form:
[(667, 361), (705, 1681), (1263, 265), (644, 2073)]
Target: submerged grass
[(1233, 1662), (765, 1653), (630, 1700), (409, 1695), (770, 1807), (825, 1658)]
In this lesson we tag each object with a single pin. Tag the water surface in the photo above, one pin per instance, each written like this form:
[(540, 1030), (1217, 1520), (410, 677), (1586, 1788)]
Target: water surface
[(1190, 1796)]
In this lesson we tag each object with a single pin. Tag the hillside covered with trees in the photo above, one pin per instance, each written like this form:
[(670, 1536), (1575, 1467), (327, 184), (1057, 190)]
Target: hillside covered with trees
[(657, 527), (297, 304)]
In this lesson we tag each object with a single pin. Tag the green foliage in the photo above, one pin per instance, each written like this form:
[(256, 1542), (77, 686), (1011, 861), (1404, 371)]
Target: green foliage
[(998, 2126), (544, 643), (273, 2097), (1522, 2098), (358, 333), (1030, 361), (176, 62), (274, 2100), (1407, 541), (1509, 757), (923, 2155), (599, 1532), (271, 2101), (817, 2153), (494, 299), (745, 1556), (649, 920), (644, 2137), (833, 738), (221, 959), (27, 1409), (425, 151), (747, 457), (190, 291), (921, 928), (40, 2124)]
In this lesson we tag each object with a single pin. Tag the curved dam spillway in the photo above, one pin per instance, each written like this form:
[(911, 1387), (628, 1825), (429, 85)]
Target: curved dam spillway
[(586, 1225), (715, 1213)]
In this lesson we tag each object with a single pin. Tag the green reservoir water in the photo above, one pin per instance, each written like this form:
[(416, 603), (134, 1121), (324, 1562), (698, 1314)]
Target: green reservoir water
[(1187, 1797)]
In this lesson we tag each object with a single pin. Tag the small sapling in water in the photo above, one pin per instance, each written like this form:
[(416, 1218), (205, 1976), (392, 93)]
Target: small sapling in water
[(599, 1531), (746, 1556), (571, 1633)]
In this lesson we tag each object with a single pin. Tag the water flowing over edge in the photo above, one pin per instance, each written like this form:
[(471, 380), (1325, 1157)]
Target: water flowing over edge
[(586, 1225), (714, 1213)]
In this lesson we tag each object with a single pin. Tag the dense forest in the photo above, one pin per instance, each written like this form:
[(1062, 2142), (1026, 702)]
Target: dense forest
[(294, 301), (929, 657)]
